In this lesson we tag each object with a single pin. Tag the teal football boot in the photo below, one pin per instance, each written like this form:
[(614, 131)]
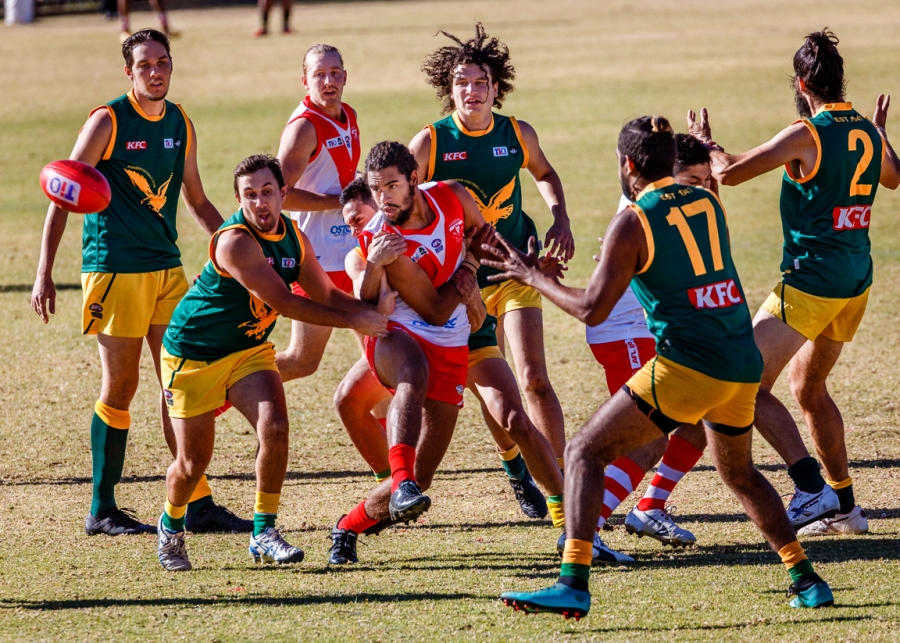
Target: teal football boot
[(558, 599), (811, 591)]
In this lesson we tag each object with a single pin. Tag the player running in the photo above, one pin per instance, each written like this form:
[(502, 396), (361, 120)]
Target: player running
[(217, 348), (834, 160), (319, 154), (484, 152), (622, 345), (424, 357), (146, 148), (673, 242)]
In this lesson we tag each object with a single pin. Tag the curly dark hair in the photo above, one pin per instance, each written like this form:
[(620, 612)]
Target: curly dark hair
[(391, 154), (690, 151), (488, 53), (650, 142), (821, 67)]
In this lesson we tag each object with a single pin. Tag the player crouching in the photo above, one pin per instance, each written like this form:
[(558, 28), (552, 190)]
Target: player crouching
[(216, 348)]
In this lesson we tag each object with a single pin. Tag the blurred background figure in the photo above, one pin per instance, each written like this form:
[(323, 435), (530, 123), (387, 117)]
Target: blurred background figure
[(157, 6), (264, 7)]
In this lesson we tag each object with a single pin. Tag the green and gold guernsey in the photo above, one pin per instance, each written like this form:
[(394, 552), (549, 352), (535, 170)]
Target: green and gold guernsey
[(218, 316), (689, 286), (825, 215), (487, 163), (144, 165)]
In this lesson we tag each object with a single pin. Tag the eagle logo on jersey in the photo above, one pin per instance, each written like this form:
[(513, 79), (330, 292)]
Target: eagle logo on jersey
[(264, 315), (492, 212), (154, 200)]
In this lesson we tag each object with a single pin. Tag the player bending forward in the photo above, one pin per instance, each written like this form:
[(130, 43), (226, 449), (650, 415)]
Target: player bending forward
[(673, 243), (423, 358), (834, 160), (216, 348)]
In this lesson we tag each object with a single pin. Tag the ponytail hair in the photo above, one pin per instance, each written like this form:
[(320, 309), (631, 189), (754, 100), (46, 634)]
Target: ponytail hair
[(821, 68), (649, 141)]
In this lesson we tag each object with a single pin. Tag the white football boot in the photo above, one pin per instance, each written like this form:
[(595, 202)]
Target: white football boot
[(805, 508), (270, 547), (601, 554), (847, 524), (658, 524), (170, 549)]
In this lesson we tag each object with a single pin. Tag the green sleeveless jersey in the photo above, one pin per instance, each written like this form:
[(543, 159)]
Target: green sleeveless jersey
[(218, 316), (484, 336), (144, 164), (825, 214), (487, 164), (689, 287)]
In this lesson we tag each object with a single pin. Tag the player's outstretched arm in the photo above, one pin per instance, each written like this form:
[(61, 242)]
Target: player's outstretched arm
[(298, 144), (890, 165), (559, 241), (200, 207), (794, 144), (624, 250), (238, 254), (420, 146), (467, 285), (89, 148)]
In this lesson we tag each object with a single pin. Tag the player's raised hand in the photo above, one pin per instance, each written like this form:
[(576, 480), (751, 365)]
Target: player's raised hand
[(552, 266), (387, 300), (559, 240), (466, 284), (879, 119), (43, 298), (512, 262), (699, 129), (476, 238), (385, 248)]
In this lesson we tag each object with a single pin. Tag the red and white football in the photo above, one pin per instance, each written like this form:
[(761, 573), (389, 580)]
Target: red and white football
[(75, 186)]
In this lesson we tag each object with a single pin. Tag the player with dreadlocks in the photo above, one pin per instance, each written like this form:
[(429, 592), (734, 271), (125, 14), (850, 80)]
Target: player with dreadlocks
[(484, 151)]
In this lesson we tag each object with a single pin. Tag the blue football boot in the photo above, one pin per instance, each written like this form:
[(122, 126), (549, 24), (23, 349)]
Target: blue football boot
[(811, 591), (559, 599)]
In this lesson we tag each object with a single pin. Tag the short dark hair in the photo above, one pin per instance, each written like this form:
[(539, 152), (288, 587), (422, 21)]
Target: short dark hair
[(650, 142), (482, 50), (255, 163), (321, 49), (139, 38), (690, 151), (819, 65), (391, 154), (357, 190)]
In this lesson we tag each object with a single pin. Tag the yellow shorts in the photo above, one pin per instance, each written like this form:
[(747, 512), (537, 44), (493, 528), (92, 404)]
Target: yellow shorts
[(687, 396), (811, 316), (122, 304), (193, 388), (509, 295), (483, 353)]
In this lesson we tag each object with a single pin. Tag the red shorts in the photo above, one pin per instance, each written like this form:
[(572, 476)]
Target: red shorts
[(339, 278), (622, 359), (448, 367)]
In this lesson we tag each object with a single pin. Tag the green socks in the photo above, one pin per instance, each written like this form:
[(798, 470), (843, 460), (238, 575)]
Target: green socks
[(109, 435), (806, 476)]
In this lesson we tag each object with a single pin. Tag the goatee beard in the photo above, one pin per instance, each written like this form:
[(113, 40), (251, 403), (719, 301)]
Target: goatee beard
[(155, 98), (404, 214)]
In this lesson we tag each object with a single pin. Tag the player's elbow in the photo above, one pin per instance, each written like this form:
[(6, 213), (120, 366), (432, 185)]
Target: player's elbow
[(892, 182), (593, 316)]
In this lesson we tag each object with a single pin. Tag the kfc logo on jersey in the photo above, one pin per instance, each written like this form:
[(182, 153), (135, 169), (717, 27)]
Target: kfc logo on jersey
[(501, 151), (271, 261), (455, 156), (136, 145), (854, 217), (288, 262), (718, 295)]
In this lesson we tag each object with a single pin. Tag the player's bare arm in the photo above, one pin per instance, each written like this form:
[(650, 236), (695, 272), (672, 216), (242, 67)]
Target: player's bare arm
[(890, 165), (624, 253), (471, 295), (558, 240), (238, 254), (793, 145), (200, 207), (420, 146), (435, 305), (89, 147), (368, 274), (298, 144)]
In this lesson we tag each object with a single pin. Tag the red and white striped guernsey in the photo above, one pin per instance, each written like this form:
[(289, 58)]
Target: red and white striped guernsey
[(331, 168), (439, 250)]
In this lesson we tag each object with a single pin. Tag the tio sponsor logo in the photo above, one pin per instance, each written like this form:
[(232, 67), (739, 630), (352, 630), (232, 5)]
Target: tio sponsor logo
[(501, 151), (419, 253), (854, 217), (456, 156), (64, 189), (718, 295), (288, 262), (136, 145), (340, 230), (337, 141), (168, 143)]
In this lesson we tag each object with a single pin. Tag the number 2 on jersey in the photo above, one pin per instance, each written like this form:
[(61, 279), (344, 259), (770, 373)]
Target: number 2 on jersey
[(855, 136), (676, 217)]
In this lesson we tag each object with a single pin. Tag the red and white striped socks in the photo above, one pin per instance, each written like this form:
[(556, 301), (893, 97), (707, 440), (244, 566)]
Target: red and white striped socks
[(679, 458), (622, 476)]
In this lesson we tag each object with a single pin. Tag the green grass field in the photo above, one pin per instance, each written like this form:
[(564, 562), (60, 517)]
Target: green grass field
[(584, 68)]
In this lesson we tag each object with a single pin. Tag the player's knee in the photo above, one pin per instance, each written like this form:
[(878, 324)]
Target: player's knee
[(517, 425), (806, 393), (576, 449), (274, 430), (414, 373), (296, 365), (535, 382)]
